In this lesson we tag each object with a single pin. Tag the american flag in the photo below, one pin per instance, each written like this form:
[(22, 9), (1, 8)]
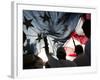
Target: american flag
[(57, 26)]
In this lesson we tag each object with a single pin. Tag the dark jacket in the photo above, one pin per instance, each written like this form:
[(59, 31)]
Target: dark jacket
[(54, 63)]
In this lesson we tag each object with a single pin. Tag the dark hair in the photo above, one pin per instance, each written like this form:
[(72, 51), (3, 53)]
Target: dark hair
[(78, 49), (61, 54)]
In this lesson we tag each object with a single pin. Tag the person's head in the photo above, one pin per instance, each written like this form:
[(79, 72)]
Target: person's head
[(78, 49), (61, 54)]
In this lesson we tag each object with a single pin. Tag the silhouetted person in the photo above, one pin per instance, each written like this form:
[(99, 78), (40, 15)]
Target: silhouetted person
[(81, 59), (61, 55), (31, 61), (61, 62), (37, 62), (87, 30), (85, 59)]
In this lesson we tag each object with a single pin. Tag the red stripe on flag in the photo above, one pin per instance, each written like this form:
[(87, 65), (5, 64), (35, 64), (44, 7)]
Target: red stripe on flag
[(81, 38)]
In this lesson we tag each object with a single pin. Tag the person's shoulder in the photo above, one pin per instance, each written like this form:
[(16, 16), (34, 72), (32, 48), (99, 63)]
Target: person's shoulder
[(70, 62), (81, 59)]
